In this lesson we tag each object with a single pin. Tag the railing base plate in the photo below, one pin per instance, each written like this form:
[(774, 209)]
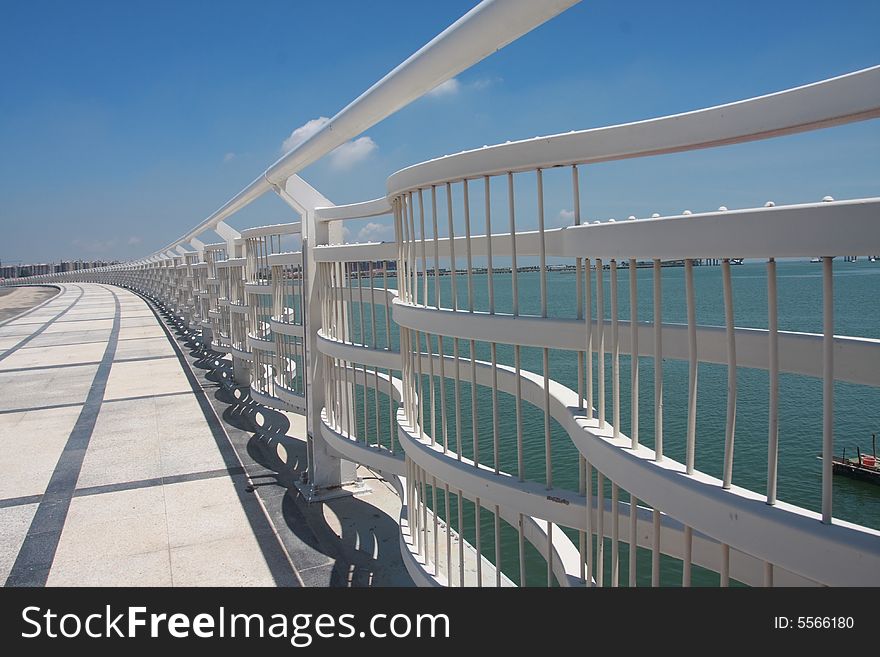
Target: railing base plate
[(312, 493)]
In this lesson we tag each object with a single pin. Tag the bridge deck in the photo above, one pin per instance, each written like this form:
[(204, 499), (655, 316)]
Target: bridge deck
[(116, 469)]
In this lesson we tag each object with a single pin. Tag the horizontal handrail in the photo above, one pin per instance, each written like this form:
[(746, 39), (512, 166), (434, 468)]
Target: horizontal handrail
[(362, 210), (844, 99)]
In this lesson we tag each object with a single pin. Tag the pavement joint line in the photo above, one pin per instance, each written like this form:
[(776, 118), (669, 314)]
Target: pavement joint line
[(102, 489), (76, 344), (106, 401), (35, 368), (20, 501), (37, 551), (40, 330)]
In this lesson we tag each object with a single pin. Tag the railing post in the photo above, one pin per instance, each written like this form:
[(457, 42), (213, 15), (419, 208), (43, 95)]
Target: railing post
[(329, 476)]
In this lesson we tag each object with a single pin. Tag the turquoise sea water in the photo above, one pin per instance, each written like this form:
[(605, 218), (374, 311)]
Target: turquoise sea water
[(857, 411)]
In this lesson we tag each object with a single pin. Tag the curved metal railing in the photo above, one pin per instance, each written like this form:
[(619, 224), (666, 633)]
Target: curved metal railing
[(525, 419)]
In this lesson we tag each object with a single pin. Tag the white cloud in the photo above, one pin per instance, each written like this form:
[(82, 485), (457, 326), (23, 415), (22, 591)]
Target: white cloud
[(445, 89), (564, 218), (453, 86), (134, 239), (352, 152), (374, 232), (485, 83), (94, 246), (303, 132), (344, 156), (229, 157)]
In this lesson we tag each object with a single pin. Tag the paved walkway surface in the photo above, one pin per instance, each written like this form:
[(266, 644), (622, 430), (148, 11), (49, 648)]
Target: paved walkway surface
[(127, 462)]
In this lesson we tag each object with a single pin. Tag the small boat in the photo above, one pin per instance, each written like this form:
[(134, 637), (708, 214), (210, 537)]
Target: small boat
[(815, 259), (864, 466)]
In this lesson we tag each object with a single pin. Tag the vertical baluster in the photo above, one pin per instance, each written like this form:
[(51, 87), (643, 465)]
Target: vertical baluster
[(827, 386), (542, 255), (588, 486), (548, 454), (489, 264), (460, 542), (448, 523), (600, 531), (452, 262), (615, 535), (522, 552), (688, 554), (582, 556), (658, 364), (497, 546), (578, 266), (731, 374), (692, 366), (424, 250), (496, 437), (436, 241), (494, 352), (514, 281), (418, 357), (517, 364), (724, 581), (468, 246), (363, 342), (633, 538), (479, 546), (387, 307), (513, 267), (455, 355), (600, 325), (470, 305), (655, 549), (443, 424), (588, 305), (773, 357), (615, 353), (455, 358), (634, 343), (475, 429), (436, 529), (411, 244), (423, 487)]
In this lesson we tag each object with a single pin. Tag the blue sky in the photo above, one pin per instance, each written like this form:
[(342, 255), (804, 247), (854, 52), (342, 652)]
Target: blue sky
[(122, 125)]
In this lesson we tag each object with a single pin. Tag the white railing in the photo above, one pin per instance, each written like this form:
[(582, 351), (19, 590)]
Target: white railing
[(447, 361)]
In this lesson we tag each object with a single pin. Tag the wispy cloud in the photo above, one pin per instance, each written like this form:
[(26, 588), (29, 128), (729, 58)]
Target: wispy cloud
[(228, 157), (565, 218), (133, 240), (485, 83), (374, 232), (453, 87), (344, 156), (302, 133), (94, 246), (352, 152), (445, 89)]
